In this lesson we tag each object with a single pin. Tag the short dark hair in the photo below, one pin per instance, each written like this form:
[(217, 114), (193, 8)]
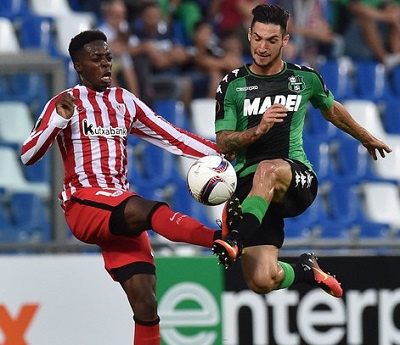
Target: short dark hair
[(83, 38), (270, 14)]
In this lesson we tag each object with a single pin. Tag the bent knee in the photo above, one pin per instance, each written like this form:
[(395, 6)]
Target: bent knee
[(263, 284), (267, 167), (273, 167)]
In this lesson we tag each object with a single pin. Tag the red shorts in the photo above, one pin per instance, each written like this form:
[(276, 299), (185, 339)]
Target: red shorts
[(89, 220)]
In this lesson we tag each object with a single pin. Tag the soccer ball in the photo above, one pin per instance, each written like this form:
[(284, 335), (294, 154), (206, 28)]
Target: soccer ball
[(211, 180)]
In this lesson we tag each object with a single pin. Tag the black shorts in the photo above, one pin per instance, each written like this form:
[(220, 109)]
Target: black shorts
[(299, 196)]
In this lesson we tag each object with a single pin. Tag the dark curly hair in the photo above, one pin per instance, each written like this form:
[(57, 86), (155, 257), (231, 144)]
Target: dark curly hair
[(83, 38), (271, 14)]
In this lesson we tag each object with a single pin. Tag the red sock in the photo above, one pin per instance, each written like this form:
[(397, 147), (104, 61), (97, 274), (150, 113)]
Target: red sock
[(147, 334), (178, 227)]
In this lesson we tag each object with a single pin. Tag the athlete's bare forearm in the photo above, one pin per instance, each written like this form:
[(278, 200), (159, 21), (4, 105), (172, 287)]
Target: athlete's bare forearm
[(231, 141)]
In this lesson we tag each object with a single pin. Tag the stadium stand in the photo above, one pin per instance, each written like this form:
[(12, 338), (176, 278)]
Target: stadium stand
[(319, 152), (371, 81), (68, 26), (391, 115), (386, 195), (14, 9), (348, 176), (389, 168), (15, 123), (353, 162), (34, 223), (173, 111), (36, 33), (59, 9), (203, 110), (8, 232), (12, 178), (366, 113), (319, 128), (337, 75), (395, 81), (9, 43)]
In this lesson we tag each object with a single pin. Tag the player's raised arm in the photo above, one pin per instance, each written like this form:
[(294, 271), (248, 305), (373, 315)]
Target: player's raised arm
[(341, 118), (55, 116)]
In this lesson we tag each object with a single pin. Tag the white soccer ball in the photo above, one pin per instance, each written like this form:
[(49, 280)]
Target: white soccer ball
[(211, 180)]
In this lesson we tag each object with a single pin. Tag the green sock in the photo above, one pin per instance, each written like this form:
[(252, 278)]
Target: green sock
[(288, 279), (256, 205)]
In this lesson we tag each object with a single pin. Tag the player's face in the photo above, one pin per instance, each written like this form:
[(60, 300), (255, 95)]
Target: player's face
[(94, 64), (266, 43)]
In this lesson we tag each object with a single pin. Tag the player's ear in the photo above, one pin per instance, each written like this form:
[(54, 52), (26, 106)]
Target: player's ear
[(286, 39), (249, 34), (77, 66)]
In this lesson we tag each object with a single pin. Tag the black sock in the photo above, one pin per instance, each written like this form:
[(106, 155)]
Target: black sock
[(217, 235), (302, 274), (246, 229)]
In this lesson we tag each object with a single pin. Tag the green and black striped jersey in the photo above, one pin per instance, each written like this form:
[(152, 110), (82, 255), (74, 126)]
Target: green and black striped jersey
[(243, 97)]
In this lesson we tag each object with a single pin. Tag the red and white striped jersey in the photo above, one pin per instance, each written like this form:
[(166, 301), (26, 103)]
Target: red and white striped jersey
[(93, 142)]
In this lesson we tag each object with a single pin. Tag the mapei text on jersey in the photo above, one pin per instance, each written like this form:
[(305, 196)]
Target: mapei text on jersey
[(259, 105)]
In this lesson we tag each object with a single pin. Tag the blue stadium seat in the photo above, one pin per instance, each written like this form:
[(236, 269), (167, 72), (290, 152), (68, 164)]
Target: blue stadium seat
[(374, 230), (37, 33), (9, 43), (391, 116), (150, 165), (395, 78), (8, 232), (338, 78), (29, 214), (318, 127), (16, 123), (372, 82), (346, 207), (32, 89), (354, 162), (173, 111), (312, 216), (344, 203), (40, 171), (14, 9), (320, 155), (297, 229), (4, 88), (332, 230), (159, 165)]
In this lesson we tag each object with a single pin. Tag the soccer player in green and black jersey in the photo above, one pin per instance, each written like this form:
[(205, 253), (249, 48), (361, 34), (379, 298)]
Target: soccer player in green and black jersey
[(260, 112)]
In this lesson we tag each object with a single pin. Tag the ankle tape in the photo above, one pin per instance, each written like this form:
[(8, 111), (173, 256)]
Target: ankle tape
[(147, 323)]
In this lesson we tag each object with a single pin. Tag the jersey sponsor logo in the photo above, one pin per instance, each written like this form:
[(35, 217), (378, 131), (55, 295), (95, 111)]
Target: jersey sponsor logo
[(296, 83), (90, 130), (247, 88), (259, 105)]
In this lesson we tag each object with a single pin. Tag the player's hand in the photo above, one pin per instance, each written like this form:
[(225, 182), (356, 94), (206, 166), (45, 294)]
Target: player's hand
[(65, 105), (230, 156), (377, 145), (274, 114)]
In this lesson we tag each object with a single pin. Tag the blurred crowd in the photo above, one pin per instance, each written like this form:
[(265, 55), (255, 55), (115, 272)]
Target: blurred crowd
[(182, 48)]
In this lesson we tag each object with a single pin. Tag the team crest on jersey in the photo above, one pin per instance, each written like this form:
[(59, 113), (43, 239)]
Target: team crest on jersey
[(296, 83), (121, 108)]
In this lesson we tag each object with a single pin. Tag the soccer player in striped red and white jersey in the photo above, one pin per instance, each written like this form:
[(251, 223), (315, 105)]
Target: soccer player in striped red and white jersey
[(91, 123)]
